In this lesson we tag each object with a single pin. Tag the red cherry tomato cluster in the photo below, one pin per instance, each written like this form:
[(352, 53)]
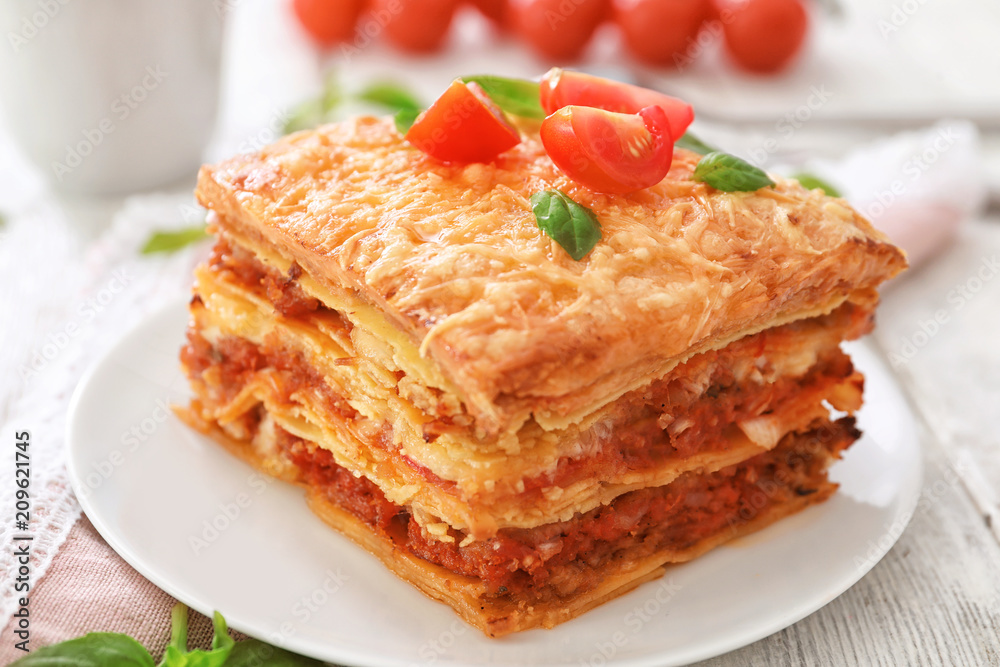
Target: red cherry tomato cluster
[(759, 35), (607, 136)]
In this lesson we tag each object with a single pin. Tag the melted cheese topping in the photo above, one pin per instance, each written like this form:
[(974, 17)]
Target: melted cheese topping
[(452, 259)]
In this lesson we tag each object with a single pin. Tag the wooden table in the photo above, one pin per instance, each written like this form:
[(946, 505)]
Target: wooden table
[(935, 597)]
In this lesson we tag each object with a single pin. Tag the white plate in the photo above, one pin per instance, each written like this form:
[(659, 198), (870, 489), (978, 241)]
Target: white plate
[(217, 535)]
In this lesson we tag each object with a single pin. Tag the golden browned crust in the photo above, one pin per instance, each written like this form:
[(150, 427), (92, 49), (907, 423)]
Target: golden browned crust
[(454, 258)]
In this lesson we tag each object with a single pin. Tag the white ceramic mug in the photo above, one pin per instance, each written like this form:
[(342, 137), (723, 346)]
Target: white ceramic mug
[(111, 95)]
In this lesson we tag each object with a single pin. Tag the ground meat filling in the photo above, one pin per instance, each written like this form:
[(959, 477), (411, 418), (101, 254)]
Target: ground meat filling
[(228, 366), (558, 559), (283, 292), (654, 434)]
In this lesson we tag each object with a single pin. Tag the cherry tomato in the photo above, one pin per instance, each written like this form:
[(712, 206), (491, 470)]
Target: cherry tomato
[(557, 29), (562, 88), (610, 152), (328, 21), (463, 125), (417, 26), (661, 31), (494, 10), (764, 35)]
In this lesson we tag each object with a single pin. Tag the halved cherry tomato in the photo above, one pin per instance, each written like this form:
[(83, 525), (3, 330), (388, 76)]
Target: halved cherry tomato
[(463, 125), (562, 88), (610, 152), (328, 21)]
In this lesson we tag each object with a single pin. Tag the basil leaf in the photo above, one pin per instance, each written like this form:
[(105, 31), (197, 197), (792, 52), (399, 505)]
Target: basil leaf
[(177, 654), (220, 637), (405, 118), (173, 240), (97, 649), (332, 95), (811, 182), (174, 655), (571, 225), (304, 116), (104, 649), (253, 653), (318, 110), (693, 143), (730, 174), (390, 95), (519, 97)]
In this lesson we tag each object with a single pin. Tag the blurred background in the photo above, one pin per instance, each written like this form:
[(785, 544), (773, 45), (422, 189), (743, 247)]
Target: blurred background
[(113, 98), (108, 107)]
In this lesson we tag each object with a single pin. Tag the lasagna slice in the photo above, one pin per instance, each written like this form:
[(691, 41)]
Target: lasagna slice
[(517, 434)]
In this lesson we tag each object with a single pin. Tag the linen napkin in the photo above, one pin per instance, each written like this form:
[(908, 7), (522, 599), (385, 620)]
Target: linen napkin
[(918, 187)]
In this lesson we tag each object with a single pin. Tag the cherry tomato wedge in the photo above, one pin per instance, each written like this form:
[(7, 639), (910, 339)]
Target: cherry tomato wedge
[(562, 88), (610, 152), (463, 125)]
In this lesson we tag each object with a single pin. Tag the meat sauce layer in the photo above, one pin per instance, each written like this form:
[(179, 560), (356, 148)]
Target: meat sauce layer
[(226, 368), (558, 559), (648, 412), (644, 443), (562, 558)]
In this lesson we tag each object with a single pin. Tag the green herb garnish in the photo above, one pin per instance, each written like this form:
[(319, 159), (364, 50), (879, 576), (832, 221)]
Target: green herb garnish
[(323, 109), (254, 653), (405, 118), (318, 110), (811, 182), (177, 654), (730, 174), (389, 95), (95, 649), (103, 649), (173, 240), (519, 97), (693, 143), (571, 225)]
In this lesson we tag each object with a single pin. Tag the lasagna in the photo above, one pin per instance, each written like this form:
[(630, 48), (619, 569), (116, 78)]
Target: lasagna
[(517, 434)]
